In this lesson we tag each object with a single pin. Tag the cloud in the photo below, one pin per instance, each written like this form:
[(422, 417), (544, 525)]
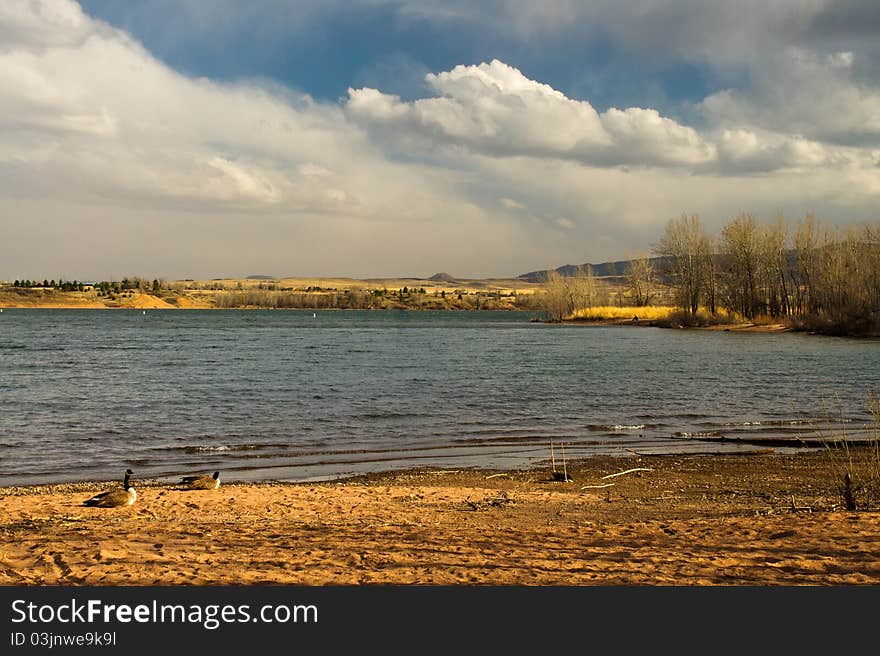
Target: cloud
[(40, 24), (493, 108), (110, 157), (642, 136), (748, 151), (806, 93), (90, 120), (85, 106)]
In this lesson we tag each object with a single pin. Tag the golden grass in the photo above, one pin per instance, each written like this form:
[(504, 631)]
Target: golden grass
[(613, 312)]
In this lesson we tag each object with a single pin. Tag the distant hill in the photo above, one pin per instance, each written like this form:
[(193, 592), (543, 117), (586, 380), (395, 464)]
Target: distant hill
[(604, 270), (260, 277), (443, 277)]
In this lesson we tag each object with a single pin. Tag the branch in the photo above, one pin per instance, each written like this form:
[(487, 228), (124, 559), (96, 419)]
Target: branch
[(628, 471)]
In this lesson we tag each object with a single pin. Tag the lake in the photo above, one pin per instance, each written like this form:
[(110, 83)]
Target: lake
[(297, 395)]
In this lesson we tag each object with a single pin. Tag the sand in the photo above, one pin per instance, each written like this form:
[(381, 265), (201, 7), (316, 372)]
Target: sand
[(761, 519)]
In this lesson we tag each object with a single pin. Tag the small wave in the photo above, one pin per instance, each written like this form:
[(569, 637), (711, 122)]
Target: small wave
[(603, 428), (215, 448), (771, 422), (698, 433)]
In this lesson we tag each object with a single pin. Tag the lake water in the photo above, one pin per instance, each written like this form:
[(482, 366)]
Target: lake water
[(286, 395)]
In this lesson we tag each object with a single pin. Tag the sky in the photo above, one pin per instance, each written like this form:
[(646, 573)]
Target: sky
[(372, 138)]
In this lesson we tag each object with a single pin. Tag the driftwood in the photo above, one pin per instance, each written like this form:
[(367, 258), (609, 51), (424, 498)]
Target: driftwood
[(628, 471), (495, 476), (489, 502), (596, 487)]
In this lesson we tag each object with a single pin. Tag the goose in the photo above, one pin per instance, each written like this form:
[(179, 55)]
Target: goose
[(115, 498), (201, 482)]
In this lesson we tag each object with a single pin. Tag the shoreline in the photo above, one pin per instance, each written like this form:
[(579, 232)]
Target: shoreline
[(757, 519), (745, 327)]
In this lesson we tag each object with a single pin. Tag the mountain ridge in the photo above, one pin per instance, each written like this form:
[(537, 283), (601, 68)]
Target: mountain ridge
[(616, 269)]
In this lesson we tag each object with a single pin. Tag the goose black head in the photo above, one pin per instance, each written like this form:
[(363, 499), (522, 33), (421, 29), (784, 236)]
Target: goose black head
[(216, 475)]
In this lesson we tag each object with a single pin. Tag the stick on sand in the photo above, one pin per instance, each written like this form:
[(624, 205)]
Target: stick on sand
[(628, 471)]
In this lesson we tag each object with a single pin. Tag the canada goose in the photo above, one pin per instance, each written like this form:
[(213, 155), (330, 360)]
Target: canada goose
[(115, 498), (201, 482)]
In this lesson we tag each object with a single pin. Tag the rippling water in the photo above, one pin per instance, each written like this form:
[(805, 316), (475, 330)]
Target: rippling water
[(288, 396)]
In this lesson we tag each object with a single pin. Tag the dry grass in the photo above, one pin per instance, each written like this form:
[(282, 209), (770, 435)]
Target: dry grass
[(615, 313), (858, 478)]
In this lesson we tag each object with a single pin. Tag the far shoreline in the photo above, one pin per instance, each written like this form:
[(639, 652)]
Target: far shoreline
[(743, 327), (738, 327)]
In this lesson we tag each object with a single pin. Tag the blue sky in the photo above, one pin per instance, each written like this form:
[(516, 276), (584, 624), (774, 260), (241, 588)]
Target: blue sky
[(198, 138), (376, 44)]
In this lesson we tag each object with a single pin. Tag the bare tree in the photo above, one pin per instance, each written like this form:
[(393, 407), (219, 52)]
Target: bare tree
[(688, 251), (583, 288), (741, 257), (556, 300), (640, 278), (776, 268), (806, 246)]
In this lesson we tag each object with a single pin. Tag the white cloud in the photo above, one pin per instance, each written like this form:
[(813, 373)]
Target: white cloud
[(643, 136), (102, 118), (35, 25), (748, 151), (490, 107), (493, 108)]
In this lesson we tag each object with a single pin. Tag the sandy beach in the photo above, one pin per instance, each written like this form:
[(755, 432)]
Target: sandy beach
[(760, 519)]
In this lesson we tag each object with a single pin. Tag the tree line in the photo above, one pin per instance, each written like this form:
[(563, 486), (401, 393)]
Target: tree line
[(103, 287), (61, 285), (367, 299), (812, 276)]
